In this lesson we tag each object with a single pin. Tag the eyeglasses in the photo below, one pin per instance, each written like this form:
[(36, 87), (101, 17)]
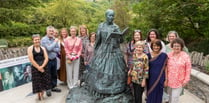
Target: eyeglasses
[(176, 46), (137, 30)]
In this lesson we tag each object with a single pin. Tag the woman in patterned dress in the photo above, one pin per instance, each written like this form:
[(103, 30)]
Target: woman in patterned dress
[(137, 36), (39, 58), (139, 72)]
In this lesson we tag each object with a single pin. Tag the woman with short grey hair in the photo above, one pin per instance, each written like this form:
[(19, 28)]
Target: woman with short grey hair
[(170, 37), (39, 59)]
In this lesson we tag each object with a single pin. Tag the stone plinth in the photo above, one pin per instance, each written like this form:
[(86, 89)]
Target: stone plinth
[(82, 95)]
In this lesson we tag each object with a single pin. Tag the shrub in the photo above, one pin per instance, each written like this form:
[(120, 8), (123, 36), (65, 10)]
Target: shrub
[(17, 29), (207, 66), (19, 41), (200, 46)]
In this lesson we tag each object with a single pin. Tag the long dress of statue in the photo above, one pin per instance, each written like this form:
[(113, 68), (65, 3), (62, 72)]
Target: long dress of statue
[(107, 74)]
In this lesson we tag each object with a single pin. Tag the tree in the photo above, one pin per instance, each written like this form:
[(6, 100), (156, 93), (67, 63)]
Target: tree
[(15, 10), (121, 7), (188, 17), (64, 13)]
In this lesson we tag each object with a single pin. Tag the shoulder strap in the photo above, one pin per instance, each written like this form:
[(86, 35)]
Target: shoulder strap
[(74, 43), (130, 49)]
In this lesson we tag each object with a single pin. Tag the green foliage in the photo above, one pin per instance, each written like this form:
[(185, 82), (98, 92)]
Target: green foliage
[(15, 10), (19, 29), (3, 43), (200, 46), (19, 41), (64, 13), (122, 10), (18, 4), (123, 15), (189, 18), (207, 66)]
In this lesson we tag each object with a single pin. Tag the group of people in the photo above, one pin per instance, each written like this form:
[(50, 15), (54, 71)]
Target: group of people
[(154, 65), (71, 51), (151, 64)]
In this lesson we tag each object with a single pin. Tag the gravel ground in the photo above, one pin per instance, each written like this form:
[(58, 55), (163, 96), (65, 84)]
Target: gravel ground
[(199, 89)]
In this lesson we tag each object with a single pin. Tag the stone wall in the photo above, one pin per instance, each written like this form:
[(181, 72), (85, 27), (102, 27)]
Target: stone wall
[(7, 53)]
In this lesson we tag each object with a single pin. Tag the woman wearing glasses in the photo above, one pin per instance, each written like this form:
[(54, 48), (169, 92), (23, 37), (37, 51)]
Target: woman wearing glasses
[(170, 37), (137, 36), (178, 70), (153, 34)]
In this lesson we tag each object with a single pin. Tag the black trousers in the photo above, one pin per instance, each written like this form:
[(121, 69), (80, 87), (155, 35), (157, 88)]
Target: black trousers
[(138, 91), (52, 67)]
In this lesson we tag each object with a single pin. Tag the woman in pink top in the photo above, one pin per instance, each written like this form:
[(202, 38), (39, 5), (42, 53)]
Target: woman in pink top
[(73, 49), (178, 70)]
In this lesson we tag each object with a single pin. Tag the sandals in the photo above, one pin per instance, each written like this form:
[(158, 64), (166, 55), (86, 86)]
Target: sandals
[(40, 96)]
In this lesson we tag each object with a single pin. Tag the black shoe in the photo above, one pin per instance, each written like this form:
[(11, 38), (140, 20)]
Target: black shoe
[(56, 90), (48, 93)]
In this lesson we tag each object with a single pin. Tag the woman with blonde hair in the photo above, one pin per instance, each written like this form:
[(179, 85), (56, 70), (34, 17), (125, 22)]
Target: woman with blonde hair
[(62, 71), (139, 72), (83, 35), (73, 49)]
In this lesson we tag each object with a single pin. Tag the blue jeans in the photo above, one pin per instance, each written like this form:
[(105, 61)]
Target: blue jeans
[(52, 67)]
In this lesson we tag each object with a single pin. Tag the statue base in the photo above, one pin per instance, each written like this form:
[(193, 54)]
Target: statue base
[(82, 95)]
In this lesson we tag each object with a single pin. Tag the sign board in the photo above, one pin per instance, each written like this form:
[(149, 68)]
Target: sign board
[(14, 72)]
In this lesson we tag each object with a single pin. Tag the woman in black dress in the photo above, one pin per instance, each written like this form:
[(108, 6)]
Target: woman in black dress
[(39, 58)]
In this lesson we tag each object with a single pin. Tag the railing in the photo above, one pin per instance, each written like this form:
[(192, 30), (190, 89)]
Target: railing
[(199, 58)]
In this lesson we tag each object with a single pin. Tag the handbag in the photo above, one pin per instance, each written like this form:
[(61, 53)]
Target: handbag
[(129, 80), (68, 59)]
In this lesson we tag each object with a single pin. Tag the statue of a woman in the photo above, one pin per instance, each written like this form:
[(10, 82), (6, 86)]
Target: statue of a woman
[(107, 74)]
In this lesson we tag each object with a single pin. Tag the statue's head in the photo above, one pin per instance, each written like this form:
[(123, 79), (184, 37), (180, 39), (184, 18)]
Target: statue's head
[(109, 15)]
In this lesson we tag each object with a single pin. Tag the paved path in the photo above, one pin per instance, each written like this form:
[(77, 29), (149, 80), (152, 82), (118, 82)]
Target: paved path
[(22, 94)]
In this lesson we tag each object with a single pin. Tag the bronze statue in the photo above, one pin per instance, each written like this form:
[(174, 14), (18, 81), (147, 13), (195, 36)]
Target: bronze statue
[(105, 81), (107, 74)]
